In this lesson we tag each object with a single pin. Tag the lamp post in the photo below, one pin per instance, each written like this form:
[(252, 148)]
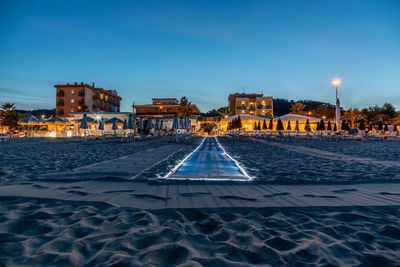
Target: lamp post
[(336, 83)]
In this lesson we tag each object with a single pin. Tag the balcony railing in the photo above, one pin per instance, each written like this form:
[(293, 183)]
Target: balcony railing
[(60, 94), (241, 107), (61, 112), (81, 102), (81, 93), (60, 104), (252, 108), (96, 97)]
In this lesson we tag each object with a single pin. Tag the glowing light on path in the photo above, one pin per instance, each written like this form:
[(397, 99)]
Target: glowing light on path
[(236, 163), (183, 161)]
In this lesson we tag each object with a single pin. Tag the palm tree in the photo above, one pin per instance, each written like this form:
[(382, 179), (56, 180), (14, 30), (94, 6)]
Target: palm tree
[(8, 107), (223, 112), (298, 108), (184, 108)]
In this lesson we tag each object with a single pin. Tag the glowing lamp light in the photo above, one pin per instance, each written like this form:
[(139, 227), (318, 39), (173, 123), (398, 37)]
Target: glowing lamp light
[(52, 134), (336, 82), (98, 117), (69, 133)]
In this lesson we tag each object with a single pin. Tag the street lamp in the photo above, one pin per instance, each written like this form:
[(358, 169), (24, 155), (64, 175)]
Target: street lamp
[(336, 82)]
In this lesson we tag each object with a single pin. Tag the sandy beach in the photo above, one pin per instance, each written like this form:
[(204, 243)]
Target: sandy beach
[(104, 203)]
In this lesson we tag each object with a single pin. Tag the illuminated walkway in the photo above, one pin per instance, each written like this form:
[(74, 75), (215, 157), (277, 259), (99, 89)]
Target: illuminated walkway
[(209, 162)]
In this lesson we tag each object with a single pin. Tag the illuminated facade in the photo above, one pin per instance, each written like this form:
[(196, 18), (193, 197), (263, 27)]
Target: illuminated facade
[(74, 98), (251, 104), (163, 107)]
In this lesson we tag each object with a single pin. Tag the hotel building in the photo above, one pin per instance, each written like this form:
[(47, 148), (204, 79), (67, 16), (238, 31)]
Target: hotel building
[(85, 98), (252, 104), (163, 107)]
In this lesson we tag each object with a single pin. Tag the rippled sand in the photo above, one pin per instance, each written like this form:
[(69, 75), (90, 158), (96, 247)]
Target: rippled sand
[(74, 233)]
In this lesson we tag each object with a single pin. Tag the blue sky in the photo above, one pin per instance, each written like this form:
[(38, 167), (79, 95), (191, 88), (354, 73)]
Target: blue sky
[(201, 49)]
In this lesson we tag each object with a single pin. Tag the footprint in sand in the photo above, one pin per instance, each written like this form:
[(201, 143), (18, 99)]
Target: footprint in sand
[(120, 191), (193, 194), (319, 196), (343, 191), (237, 198), (40, 186), (389, 194), (277, 194), (147, 196), (76, 192)]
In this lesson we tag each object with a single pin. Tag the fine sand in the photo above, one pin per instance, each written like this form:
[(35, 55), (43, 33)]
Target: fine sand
[(106, 202), (44, 232)]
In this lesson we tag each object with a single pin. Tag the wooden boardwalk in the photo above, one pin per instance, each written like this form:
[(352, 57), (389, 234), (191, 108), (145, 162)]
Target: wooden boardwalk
[(210, 195)]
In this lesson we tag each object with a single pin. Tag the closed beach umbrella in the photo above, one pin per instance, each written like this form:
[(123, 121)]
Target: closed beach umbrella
[(175, 123), (289, 127), (296, 128), (125, 126), (329, 127), (157, 125), (307, 126), (149, 125), (255, 126), (115, 125), (395, 127), (161, 124), (362, 124), (130, 122), (343, 125), (380, 125), (181, 123), (264, 126), (334, 127), (386, 129), (279, 125), (84, 124), (141, 126), (322, 125), (271, 125), (101, 126), (370, 127)]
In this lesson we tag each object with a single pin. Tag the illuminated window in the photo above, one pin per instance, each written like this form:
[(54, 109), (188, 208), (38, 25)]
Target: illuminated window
[(72, 91)]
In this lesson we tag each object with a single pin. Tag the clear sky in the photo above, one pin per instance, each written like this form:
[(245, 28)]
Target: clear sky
[(201, 49)]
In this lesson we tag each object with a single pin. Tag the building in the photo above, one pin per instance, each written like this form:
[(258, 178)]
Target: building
[(252, 104), (163, 107), (84, 97)]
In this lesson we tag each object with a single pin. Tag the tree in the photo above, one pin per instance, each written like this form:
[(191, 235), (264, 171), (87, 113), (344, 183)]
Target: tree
[(298, 108), (324, 111), (184, 108), (388, 110), (9, 116), (352, 115)]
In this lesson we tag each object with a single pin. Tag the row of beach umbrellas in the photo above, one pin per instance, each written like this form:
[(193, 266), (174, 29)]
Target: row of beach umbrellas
[(127, 124)]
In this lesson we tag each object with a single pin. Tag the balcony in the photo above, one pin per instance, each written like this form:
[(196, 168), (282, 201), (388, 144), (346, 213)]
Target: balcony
[(81, 102), (60, 94), (252, 108), (81, 93), (95, 105), (96, 96), (60, 104), (60, 112), (241, 108)]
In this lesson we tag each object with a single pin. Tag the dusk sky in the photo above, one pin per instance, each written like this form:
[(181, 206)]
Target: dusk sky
[(201, 49)]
